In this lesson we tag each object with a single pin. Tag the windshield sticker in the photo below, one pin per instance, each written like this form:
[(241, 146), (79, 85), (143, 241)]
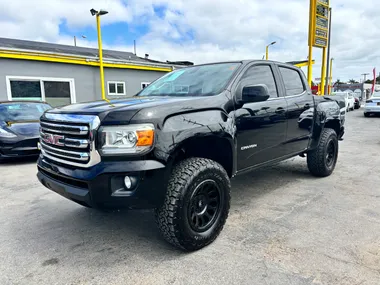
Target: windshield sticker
[(175, 75)]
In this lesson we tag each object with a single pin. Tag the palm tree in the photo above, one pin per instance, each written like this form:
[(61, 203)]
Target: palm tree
[(352, 81)]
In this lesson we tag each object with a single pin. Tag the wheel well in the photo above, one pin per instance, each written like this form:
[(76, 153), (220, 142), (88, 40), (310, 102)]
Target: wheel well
[(214, 148), (333, 124)]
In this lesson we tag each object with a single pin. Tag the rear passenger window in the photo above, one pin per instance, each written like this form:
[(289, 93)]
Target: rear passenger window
[(293, 81), (262, 74)]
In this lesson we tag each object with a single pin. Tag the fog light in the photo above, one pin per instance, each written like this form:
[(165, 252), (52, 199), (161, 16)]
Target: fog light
[(127, 182)]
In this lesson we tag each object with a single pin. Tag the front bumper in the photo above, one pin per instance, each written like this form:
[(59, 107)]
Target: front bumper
[(18, 147), (102, 186)]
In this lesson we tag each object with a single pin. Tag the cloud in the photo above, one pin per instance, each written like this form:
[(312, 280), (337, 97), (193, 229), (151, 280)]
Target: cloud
[(206, 31)]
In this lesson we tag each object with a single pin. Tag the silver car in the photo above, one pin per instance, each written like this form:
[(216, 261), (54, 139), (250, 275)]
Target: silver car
[(372, 105)]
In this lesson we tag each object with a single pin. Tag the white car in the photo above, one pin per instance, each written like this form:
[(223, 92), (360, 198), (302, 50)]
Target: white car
[(372, 105), (349, 98)]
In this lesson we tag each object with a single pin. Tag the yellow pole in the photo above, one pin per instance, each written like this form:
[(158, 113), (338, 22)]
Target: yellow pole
[(267, 53), (311, 39), (323, 72), (100, 57), (330, 76)]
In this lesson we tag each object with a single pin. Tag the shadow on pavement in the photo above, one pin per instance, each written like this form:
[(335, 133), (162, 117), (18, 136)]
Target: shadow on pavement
[(18, 161), (120, 234)]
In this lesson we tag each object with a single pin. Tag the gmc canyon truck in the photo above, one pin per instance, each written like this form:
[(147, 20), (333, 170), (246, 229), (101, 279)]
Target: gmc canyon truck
[(176, 144)]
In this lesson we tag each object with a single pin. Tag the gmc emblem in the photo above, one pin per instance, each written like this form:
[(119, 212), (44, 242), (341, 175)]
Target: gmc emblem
[(54, 139)]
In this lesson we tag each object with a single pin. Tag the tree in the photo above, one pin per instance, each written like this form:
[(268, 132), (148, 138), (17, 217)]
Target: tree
[(370, 81), (352, 81), (339, 82)]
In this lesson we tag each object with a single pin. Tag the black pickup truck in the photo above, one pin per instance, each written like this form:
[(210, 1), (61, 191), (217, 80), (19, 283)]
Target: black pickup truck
[(175, 145)]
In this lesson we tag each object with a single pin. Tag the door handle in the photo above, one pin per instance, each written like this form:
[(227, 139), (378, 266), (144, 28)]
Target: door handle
[(280, 110)]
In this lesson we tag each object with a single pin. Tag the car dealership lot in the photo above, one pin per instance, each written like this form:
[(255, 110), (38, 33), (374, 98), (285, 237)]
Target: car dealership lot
[(285, 227)]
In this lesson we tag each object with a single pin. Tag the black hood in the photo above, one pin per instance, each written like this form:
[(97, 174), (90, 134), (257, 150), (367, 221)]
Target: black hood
[(124, 110), (24, 128)]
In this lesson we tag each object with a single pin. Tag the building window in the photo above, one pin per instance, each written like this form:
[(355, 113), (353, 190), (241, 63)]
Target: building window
[(55, 91), (144, 84), (116, 88)]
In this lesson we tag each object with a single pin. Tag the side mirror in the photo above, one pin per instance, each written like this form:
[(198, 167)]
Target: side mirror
[(255, 93)]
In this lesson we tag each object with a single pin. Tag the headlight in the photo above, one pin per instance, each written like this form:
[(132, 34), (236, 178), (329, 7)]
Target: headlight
[(6, 134), (127, 139)]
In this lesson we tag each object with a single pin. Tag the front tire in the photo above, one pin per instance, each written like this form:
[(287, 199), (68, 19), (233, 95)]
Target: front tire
[(322, 160), (196, 205), (366, 115)]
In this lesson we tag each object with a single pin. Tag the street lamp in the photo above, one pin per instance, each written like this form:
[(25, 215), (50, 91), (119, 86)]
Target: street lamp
[(98, 14), (75, 39), (267, 50)]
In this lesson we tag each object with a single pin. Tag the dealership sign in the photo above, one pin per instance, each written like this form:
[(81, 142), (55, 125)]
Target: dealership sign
[(320, 23)]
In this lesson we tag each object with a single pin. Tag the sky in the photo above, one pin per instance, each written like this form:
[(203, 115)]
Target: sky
[(203, 31)]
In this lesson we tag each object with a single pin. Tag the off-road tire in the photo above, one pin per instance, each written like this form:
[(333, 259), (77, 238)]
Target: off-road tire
[(317, 159), (172, 216)]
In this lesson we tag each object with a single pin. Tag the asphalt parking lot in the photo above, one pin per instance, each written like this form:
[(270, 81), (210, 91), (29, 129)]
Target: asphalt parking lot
[(285, 227)]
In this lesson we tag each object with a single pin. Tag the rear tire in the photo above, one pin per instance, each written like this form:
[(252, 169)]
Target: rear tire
[(322, 160), (196, 205), (366, 115)]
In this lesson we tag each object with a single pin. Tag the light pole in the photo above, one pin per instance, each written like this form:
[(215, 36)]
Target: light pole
[(98, 14), (328, 54), (330, 76), (267, 50), (75, 39)]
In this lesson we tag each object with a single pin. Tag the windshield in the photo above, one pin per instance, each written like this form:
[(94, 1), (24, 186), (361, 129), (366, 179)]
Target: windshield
[(202, 80), (22, 111)]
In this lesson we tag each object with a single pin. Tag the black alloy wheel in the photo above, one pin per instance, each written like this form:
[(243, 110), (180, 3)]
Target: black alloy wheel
[(331, 153), (204, 205)]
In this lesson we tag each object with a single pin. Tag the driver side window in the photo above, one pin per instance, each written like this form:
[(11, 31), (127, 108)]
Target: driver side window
[(262, 74)]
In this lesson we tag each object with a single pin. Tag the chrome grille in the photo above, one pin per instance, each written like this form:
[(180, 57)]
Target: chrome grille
[(69, 139)]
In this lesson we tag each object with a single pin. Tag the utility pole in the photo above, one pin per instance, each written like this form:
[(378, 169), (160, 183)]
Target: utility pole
[(75, 41), (365, 77), (134, 45), (328, 56)]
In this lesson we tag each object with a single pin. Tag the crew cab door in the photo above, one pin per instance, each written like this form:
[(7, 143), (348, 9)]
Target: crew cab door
[(300, 109), (261, 126)]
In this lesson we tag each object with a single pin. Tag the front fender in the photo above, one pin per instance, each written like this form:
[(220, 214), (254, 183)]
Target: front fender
[(327, 114), (182, 128)]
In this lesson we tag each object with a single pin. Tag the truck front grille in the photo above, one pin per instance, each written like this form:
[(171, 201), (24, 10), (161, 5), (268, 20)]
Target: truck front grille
[(69, 139)]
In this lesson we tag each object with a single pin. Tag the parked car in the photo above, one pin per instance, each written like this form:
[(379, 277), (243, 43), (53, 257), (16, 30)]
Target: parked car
[(372, 105), (19, 128), (176, 144), (357, 101), (349, 99)]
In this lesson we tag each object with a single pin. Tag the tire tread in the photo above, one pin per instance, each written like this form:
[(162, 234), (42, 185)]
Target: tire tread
[(315, 158), (181, 178)]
